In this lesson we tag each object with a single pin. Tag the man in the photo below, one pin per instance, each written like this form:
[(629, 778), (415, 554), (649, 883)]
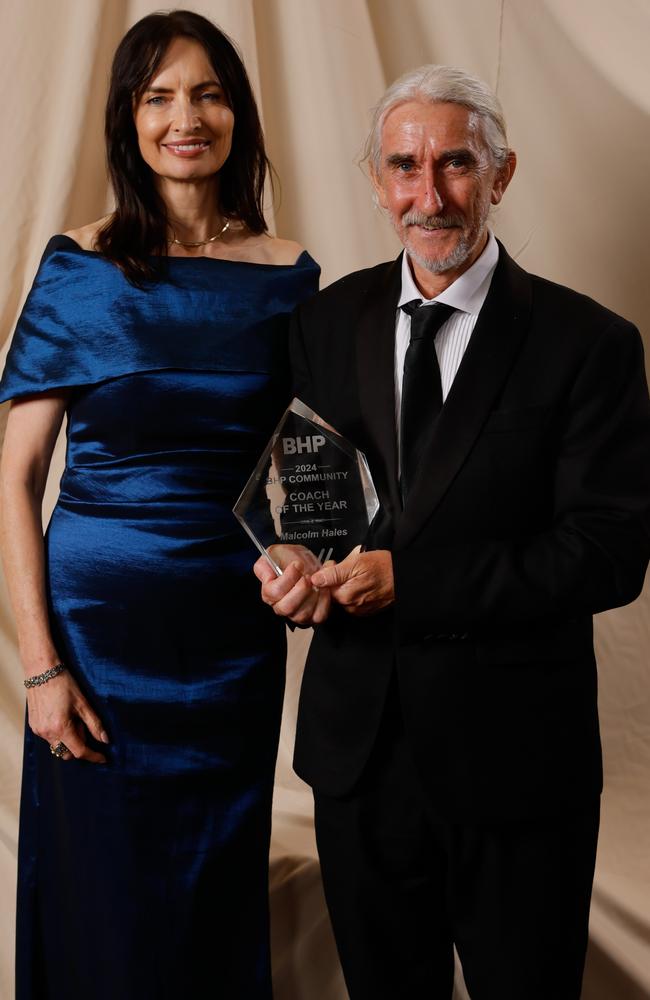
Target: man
[(448, 720)]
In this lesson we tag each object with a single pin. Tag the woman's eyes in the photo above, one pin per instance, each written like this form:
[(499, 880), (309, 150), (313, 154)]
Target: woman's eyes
[(208, 97)]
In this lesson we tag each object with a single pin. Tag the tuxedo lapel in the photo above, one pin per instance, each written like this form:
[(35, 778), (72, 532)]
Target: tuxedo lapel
[(375, 356), (490, 354)]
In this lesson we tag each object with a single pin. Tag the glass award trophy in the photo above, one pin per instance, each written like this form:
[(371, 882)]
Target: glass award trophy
[(311, 490)]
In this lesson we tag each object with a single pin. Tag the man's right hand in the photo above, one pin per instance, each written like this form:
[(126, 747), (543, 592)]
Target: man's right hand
[(292, 594)]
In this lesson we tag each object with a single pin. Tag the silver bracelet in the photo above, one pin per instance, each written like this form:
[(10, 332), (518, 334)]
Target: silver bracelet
[(47, 675)]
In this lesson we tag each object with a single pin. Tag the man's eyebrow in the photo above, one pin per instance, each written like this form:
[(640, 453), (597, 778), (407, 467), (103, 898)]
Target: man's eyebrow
[(394, 158), (462, 153)]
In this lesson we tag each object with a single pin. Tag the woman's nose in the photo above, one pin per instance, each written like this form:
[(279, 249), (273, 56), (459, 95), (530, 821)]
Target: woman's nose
[(187, 120)]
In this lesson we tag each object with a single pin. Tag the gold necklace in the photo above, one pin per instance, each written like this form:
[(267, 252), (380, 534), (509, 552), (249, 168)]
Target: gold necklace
[(190, 244)]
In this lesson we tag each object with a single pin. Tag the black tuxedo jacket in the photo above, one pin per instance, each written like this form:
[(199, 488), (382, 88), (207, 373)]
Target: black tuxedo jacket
[(530, 514)]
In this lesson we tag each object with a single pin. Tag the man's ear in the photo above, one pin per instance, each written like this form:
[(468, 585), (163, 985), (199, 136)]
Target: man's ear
[(503, 177), (378, 186)]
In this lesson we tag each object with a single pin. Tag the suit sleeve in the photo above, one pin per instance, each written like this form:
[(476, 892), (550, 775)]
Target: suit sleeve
[(300, 370), (594, 555)]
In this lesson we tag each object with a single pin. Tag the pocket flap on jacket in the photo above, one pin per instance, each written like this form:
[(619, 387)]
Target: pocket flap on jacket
[(567, 641), (524, 419)]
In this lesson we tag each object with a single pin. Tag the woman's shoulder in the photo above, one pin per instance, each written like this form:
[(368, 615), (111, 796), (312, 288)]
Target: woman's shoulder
[(265, 249), (282, 251), (86, 236)]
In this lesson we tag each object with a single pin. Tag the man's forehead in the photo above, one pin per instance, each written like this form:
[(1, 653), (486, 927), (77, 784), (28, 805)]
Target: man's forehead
[(432, 122)]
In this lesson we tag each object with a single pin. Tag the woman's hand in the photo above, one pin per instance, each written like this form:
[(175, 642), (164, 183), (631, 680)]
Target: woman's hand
[(292, 594), (58, 712)]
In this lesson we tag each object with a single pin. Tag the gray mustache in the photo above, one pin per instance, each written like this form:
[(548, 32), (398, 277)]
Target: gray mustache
[(433, 221)]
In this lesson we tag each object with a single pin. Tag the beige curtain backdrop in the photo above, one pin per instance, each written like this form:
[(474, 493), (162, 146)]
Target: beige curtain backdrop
[(574, 79)]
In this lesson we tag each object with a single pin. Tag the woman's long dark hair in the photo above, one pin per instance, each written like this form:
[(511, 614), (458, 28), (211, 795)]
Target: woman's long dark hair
[(137, 228)]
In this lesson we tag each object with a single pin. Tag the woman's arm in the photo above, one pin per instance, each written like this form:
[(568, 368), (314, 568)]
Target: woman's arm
[(57, 710)]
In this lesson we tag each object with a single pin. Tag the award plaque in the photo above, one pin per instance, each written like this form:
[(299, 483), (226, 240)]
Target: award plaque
[(311, 489)]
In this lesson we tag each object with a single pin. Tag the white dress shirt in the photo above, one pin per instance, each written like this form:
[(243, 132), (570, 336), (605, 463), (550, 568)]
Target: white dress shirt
[(466, 295)]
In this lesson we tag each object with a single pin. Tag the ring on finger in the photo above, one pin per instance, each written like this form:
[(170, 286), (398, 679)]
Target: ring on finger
[(58, 749)]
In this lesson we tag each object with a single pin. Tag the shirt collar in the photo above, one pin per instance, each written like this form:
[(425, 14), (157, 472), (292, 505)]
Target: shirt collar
[(468, 292)]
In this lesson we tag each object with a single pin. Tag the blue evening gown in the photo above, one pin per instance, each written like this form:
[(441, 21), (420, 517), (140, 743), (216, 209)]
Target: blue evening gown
[(147, 878)]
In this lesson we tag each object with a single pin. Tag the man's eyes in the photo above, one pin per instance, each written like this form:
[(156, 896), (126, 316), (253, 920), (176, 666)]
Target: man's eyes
[(461, 162), (457, 162)]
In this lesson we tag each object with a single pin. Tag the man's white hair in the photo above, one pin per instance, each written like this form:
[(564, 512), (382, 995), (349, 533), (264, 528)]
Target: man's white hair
[(432, 83)]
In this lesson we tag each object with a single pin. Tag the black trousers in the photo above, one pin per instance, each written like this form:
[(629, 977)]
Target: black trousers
[(403, 887)]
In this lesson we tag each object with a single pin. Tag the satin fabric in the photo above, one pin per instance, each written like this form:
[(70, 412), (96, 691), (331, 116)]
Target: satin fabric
[(147, 877)]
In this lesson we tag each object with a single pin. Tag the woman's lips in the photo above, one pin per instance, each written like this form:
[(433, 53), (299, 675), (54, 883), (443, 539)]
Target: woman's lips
[(187, 149)]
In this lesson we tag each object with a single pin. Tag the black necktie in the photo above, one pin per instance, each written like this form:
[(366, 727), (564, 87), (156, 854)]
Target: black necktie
[(421, 386)]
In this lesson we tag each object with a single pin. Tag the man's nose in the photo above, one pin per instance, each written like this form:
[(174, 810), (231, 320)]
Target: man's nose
[(430, 198)]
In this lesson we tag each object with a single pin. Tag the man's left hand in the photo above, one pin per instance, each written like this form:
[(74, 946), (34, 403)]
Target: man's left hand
[(362, 583)]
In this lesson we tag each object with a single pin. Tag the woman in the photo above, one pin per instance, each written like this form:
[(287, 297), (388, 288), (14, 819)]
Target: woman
[(154, 674)]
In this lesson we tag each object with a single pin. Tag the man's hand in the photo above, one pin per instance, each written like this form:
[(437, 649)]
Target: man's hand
[(362, 583), (292, 594)]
